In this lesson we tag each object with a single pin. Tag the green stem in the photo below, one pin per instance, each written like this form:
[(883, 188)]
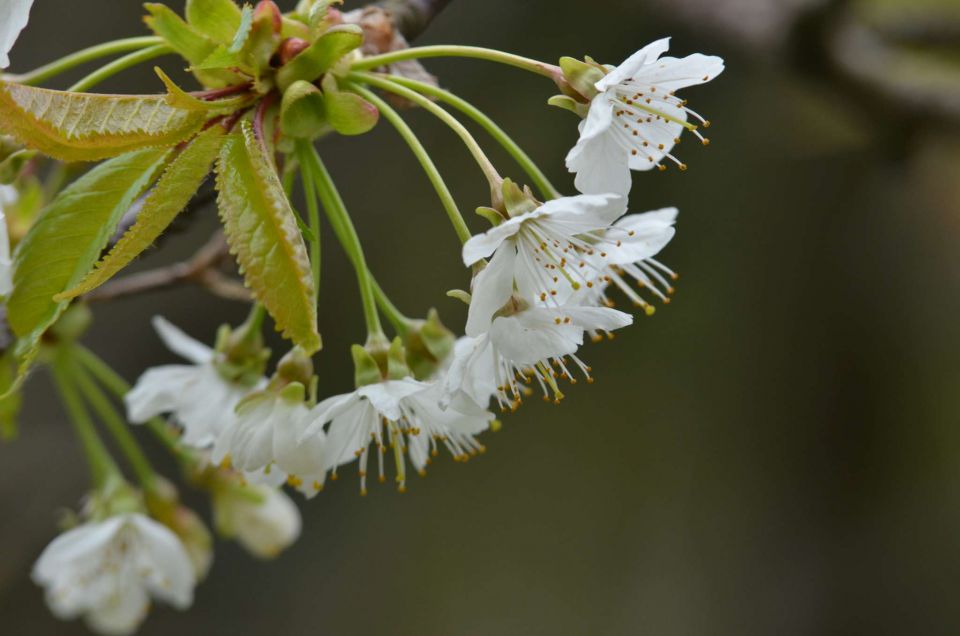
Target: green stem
[(400, 322), (493, 177), (116, 425), (443, 192), (343, 227), (48, 71), (102, 466), (313, 214), (522, 158), (120, 387), (449, 50), (122, 64)]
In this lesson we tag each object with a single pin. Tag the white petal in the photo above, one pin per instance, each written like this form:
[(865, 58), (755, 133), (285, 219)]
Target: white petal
[(329, 409), (670, 73), (122, 613), (180, 343), (583, 213), (349, 433), (492, 288), (483, 245), (250, 438), (598, 318), (14, 15), (471, 375), (532, 336), (651, 231), (296, 453), (163, 562), (268, 527), (386, 396), (158, 391), (629, 67), (599, 161)]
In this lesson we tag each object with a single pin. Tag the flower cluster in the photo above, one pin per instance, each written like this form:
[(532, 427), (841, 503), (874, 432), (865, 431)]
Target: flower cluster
[(543, 276)]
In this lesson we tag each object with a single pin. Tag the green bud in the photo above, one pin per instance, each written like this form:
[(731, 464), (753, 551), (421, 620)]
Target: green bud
[(348, 113), (302, 112)]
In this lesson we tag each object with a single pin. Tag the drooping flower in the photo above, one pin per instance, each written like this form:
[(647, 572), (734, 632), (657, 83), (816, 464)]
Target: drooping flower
[(635, 119), (527, 341), (262, 519), (265, 436), (8, 196), (14, 15), (543, 253), (639, 237), (108, 571), (199, 396)]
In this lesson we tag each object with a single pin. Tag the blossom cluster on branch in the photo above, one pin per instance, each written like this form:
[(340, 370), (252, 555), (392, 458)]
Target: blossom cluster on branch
[(543, 276)]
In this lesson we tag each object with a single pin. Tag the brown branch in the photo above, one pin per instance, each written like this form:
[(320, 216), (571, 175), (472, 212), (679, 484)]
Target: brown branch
[(203, 269)]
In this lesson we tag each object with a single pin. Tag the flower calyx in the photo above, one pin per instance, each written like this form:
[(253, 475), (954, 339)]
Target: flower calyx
[(378, 361), (241, 356), (428, 343)]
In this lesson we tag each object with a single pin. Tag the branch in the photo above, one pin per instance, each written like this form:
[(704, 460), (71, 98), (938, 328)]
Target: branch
[(203, 269)]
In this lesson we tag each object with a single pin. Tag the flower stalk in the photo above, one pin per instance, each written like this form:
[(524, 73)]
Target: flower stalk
[(448, 50), (119, 65), (68, 62)]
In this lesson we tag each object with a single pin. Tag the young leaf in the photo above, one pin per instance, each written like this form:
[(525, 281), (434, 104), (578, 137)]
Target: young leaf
[(88, 127), (217, 19), (192, 44), (65, 242), (262, 232), (321, 55), (179, 98), (347, 113), (173, 191)]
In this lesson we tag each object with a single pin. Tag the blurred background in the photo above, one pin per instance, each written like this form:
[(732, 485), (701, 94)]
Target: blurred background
[(776, 451)]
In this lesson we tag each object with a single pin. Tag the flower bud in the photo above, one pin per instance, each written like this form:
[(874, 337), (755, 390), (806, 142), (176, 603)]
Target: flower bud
[(268, 10), (291, 48), (262, 519)]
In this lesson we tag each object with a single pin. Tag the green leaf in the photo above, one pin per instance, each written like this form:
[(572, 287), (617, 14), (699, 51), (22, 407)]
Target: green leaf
[(88, 127), (180, 98), (321, 55), (348, 113), (11, 400), (262, 232), (192, 44), (217, 19), (66, 241), (176, 186)]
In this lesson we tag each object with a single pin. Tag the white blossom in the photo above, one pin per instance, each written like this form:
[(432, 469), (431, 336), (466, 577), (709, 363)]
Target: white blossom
[(14, 15), (107, 571), (263, 520), (543, 254), (636, 119), (404, 415), (200, 399), (266, 435)]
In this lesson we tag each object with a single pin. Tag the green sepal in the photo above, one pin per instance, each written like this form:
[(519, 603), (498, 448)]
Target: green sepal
[(568, 103), (581, 76), (518, 201), (219, 20), (491, 215), (428, 343), (321, 56), (302, 111), (397, 368), (365, 368), (293, 392), (459, 294), (348, 113), (295, 366)]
